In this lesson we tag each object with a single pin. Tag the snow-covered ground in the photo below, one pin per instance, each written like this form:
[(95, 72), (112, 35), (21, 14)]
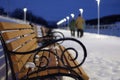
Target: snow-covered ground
[(103, 60), (8, 19)]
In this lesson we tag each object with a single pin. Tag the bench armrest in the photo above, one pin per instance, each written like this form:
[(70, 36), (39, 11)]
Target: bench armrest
[(46, 61), (52, 35), (41, 48)]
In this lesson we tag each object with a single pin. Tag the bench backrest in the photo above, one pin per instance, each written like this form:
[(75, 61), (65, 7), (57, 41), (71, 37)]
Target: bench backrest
[(19, 38)]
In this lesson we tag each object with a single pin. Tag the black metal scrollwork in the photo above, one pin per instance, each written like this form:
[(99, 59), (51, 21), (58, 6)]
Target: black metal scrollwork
[(71, 59), (43, 62), (46, 60), (55, 41), (58, 34)]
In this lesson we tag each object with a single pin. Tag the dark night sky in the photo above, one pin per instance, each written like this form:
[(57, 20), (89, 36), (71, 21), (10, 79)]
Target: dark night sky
[(59, 9)]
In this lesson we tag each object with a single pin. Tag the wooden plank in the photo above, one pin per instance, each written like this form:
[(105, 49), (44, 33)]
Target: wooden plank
[(17, 33), (68, 60), (15, 63), (29, 46), (84, 75), (42, 73), (24, 70), (59, 53), (21, 60), (35, 30), (43, 63), (52, 63), (14, 44), (65, 57), (80, 70), (24, 58), (12, 26)]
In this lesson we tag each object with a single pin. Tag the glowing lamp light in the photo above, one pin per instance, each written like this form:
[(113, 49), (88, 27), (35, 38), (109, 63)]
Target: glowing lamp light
[(72, 15)]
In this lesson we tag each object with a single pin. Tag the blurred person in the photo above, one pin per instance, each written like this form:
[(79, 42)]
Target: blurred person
[(80, 23), (72, 27)]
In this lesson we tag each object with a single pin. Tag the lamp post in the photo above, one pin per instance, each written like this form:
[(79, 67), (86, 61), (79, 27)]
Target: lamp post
[(81, 12), (68, 20), (25, 10), (98, 4), (64, 21)]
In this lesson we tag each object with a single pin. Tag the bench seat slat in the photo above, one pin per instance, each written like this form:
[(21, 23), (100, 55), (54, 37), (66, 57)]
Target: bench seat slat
[(19, 61), (79, 70), (68, 57), (14, 44), (24, 59), (14, 34), (59, 53), (13, 26), (27, 46), (53, 63)]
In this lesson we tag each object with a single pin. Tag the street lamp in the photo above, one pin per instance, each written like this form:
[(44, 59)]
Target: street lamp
[(81, 11), (98, 4), (68, 19), (60, 22), (25, 10), (72, 15), (64, 21)]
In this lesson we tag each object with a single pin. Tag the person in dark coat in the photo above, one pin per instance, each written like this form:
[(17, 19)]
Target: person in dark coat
[(72, 27)]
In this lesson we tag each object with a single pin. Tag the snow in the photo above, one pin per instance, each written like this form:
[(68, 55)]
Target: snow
[(8, 19), (102, 62)]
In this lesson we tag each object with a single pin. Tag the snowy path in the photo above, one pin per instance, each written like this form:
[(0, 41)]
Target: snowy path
[(102, 62)]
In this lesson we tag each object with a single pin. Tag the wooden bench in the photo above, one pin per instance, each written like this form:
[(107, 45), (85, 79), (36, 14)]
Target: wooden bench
[(28, 60)]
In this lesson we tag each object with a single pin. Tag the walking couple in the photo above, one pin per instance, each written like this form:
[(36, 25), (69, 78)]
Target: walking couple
[(77, 24)]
